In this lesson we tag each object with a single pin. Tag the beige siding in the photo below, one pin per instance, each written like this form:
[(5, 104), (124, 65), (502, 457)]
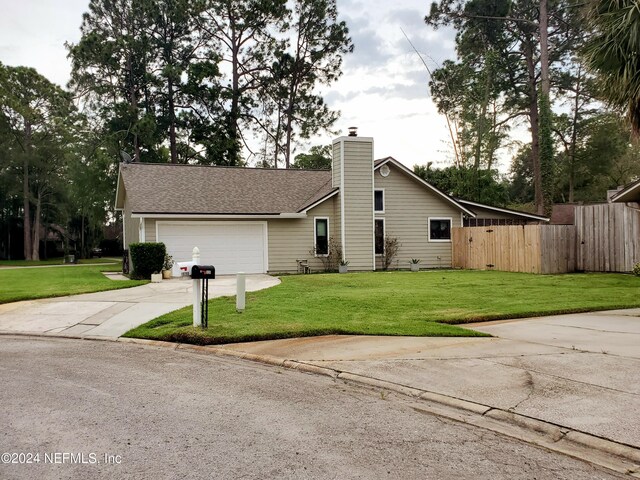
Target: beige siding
[(293, 239), (288, 239), (131, 226), (408, 205), (149, 230), (358, 202), (335, 165)]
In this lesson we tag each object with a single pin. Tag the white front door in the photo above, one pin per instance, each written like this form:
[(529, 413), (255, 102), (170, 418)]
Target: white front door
[(231, 247)]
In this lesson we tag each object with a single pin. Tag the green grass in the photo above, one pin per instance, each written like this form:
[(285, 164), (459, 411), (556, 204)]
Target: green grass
[(54, 261), (31, 283), (394, 303)]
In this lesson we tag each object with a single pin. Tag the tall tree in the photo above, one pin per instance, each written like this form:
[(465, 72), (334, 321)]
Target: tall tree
[(532, 39), (175, 44), (110, 71), (245, 31), (39, 117), (313, 57)]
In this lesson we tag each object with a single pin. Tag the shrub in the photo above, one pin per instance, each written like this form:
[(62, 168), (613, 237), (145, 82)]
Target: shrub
[(330, 262), (146, 258), (636, 269), (391, 247)]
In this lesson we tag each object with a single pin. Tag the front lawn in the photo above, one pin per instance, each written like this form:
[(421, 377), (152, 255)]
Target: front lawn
[(55, 261), (31, 283), (394, 303)]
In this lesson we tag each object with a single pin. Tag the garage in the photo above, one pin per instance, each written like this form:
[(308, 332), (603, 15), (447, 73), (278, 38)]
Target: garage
[(231, 247)]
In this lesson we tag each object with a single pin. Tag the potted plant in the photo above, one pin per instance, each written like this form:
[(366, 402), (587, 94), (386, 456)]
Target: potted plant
[(167, 266), (156, 277), (344, 266), (414, 264)]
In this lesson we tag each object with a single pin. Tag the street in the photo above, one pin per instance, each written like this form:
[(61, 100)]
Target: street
[(147, 412)]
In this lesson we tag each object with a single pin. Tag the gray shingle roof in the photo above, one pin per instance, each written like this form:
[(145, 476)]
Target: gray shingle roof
[(183, 189)]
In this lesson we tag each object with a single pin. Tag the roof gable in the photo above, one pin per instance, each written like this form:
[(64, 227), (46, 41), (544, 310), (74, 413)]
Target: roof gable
[(383, 161)]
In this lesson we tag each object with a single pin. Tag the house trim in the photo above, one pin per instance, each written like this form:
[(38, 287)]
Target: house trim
[(315, 204), (435, 240), (142, 231), (426, 184), (342, 219), (505, 210), (232, 216), (624, 194)]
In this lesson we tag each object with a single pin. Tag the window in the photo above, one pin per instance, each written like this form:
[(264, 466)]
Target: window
[(439, 229), (322, 236), (378, 200), (379, 236)]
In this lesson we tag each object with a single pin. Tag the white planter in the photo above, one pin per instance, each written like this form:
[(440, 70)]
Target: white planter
[(156, 277), (415, 267), (343, 268)]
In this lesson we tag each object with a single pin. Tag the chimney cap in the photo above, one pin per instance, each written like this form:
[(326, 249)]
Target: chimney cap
[(353, 131)]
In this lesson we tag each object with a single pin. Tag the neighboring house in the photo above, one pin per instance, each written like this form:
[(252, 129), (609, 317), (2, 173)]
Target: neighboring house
[(270, 220)]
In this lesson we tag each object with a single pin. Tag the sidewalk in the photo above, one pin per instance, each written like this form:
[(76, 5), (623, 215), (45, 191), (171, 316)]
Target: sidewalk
[(580, 371), (112, 313)]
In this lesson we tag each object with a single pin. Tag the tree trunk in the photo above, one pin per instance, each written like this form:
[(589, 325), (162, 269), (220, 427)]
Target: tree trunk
[(26, 224), (535, 128), (35, 246), (574, 136), (545, 83), (172, 122)]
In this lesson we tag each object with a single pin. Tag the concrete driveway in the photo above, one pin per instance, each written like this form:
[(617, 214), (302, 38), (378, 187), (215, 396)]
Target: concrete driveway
[(112, 313), (581, 371)]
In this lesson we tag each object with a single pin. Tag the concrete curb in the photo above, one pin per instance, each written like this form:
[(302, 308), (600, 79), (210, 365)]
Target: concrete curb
[(581, 445)]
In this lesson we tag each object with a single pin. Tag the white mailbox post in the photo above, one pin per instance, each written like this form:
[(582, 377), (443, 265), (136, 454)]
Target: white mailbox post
[(240, 292), (196, 290)]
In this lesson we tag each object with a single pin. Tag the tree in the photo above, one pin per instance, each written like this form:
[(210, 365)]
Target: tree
[(110, 71), (312, 57), (245, 31), (40, 119), (175, 44), (318, 158), (611, 52), (526, 38)]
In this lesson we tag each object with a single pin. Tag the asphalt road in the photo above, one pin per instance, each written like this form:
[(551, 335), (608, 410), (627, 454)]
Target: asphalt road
[(159, 413)]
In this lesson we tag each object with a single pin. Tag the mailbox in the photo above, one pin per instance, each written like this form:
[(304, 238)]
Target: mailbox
[(204, 272)]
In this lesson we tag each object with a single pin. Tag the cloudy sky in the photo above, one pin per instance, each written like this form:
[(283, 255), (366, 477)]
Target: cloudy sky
[(383, 90)]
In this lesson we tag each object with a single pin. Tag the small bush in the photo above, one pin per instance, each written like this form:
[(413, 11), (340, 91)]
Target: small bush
[(636, 269), (146, 258), (391, 247)]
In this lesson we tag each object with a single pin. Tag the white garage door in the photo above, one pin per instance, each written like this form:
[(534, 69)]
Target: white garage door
[(231, 247)]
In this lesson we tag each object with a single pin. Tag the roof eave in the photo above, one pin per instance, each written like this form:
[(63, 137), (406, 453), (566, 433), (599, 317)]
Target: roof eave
[(506, 210), (622, 195)]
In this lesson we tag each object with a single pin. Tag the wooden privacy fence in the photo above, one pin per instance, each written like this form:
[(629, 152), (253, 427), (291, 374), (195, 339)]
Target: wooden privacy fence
[(605, 238), (608, 237), (521, 248)]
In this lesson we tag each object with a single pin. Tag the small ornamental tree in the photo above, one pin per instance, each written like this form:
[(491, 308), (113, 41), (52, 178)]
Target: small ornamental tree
[(147, 258)]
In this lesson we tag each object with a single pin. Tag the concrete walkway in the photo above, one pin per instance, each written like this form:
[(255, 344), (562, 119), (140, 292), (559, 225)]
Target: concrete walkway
[(580, 371), (112, 313)]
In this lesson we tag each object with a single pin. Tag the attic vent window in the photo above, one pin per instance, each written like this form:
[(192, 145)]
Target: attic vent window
[(384, 170)]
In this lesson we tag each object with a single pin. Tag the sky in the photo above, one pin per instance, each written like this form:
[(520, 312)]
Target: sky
[(383, 90)]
